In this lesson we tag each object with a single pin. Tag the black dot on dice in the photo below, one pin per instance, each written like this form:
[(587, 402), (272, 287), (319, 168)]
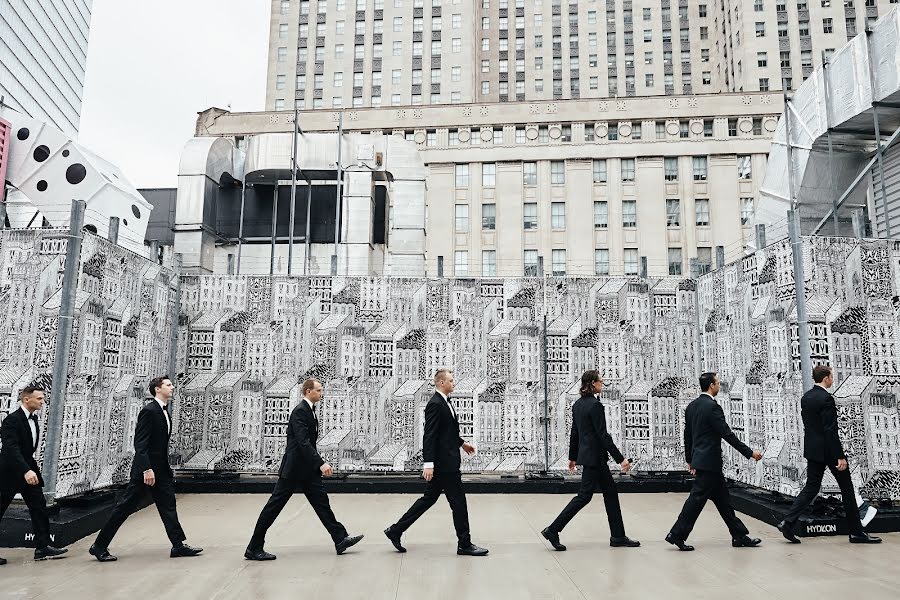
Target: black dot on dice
[(41, 153), (23, 134), (65, 153), (135, 211), (76, 173), (42, 186)]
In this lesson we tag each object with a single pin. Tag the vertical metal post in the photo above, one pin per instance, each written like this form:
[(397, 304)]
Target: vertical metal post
[(831, 166), (760, 236), (274, 224), (293, 194), (173, 331), (797, 255), (308, 216), (230, 264), (643, 267), (720, 257), (546, 396), (878, 149), (57, 405), (113, 235), (337, 204), (154, 251), (241, 223), (440, 267), (859, 230)]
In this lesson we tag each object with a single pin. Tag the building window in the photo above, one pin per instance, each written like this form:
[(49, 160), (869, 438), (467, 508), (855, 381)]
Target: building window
[(453, 137), (398, 23), (601, 215), (557, 172), (827, 26), (489, 216), (758, 5), (743, 167), (648, 80), (704, 260), (529, 215), (699, 168), (279, 104), (629, 213), (746, 210), (674, 261), (498, 136), (670, 167), (543, 134), (803, 29), (489, 263), (529, 173), (732, 127), (764, 84), (684, 130), (601, 262), (282, 54), (488, 175), (559, 263), (627, 169), (760, 29), (456, 74), (280, 82), (673, 212), (701, 207), (530, 260), (630, 257), (462, 218), (461, 262), (762, 59), (707, 128), (599, 169), (462, 176), (558, 215)]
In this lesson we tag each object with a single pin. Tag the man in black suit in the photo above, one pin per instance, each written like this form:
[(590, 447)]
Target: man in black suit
[(19, 472), (150, 472), (822, 448), (704, 430), (440, 451), (590, 446), (302, 468)]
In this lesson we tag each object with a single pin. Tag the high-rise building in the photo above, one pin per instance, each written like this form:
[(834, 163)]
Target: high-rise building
[(43, 55)]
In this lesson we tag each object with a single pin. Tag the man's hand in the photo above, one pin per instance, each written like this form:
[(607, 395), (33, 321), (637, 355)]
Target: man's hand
[(31, 478), (149, 477), (468, 448), (842, 464), (691, 469), (326, 469), (571, 466), (427, 474), (626, 465), (757, 455)]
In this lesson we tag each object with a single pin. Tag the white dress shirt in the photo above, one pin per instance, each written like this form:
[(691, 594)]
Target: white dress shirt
[(166, 413), (31, 426), (430, 465)]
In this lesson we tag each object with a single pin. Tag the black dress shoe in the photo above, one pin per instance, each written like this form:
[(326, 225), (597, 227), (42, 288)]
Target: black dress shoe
[(787, 530), (623, 542), (553, 538), (184, 550), (102, 554), (49, 552), (2, 561), (395, 539), (258, 555), (679, 543), (471, 550), (864, 538), (745, 542), (345, 543)]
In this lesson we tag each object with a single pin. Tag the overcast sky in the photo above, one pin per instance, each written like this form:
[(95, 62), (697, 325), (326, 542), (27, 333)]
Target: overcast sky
[(152, 66)]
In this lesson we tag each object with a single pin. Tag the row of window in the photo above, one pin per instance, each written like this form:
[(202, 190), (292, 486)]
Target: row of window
[(699, 166), (601, 214), (532, 267)]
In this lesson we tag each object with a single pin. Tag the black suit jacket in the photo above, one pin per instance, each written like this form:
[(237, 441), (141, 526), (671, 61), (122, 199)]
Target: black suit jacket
[(441, 440), (17, 451), (590, 444), (301, 459), (704, 430), (151, 443), (820, 440)]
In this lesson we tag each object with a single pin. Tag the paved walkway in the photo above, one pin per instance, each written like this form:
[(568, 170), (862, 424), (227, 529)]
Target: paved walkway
[(520, 566)]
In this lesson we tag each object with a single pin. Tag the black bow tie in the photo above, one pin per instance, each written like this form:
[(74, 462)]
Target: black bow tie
[(33, 418)]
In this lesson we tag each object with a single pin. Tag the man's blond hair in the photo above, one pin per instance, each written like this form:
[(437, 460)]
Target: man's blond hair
[(441, 374)]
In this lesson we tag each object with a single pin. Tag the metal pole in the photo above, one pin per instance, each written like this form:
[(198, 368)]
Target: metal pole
[(293, 194), (113, 235), (57, 405), (858, 228), (308, 216), (831, 167), (241, 224), (546, 397), (274, 224), (154, 251), (337, 204), (797, 255), (440, 267), (878, 150), (643, 267), (173, 331)]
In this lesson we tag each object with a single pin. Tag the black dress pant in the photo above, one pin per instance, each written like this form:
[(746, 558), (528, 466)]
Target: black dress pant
[(591, 479), (814, 473), (33, 495), (163, 494), (314, 490), (451, 484), (708, 485)]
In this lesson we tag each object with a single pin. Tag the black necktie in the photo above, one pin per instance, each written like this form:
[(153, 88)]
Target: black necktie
[(33, 418)]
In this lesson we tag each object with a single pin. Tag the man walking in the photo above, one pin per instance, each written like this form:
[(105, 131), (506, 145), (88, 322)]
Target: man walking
[(440, 451), (19, 472), (302, 468), (150, 472), (704, 430), (822, 448), (590, 446)]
